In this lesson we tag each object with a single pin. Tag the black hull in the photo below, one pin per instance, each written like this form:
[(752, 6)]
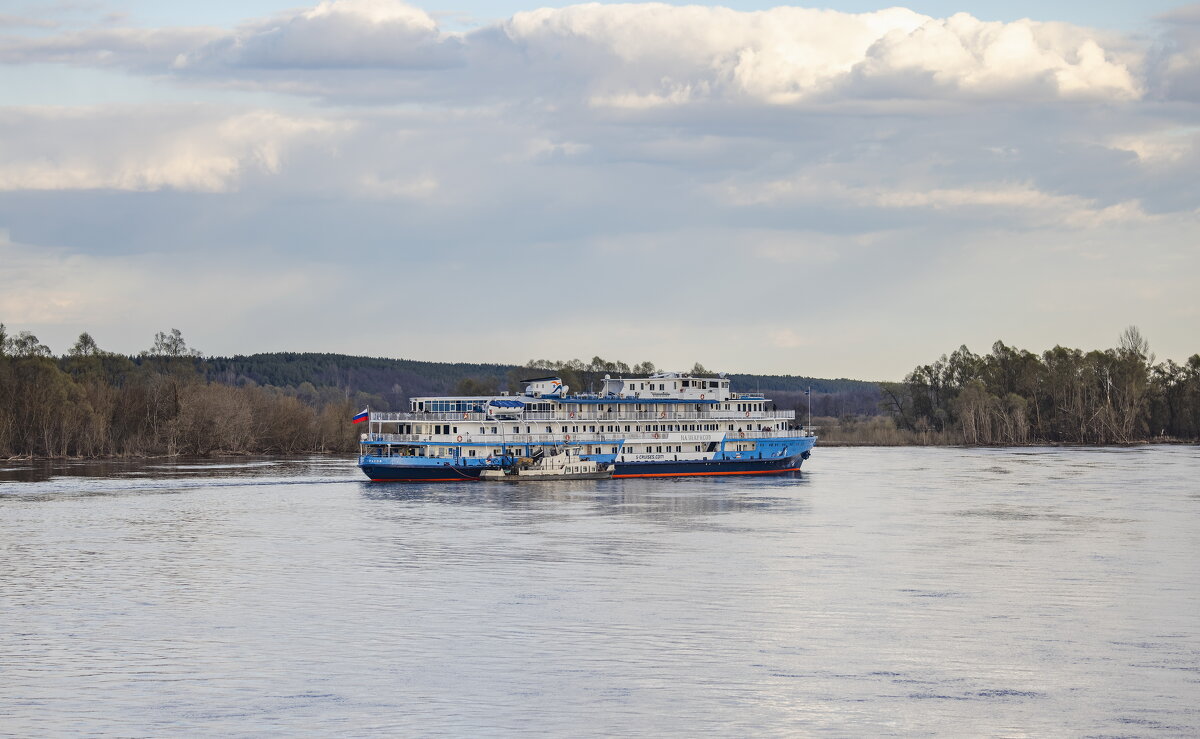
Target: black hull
[(447, 473), (708, 467)]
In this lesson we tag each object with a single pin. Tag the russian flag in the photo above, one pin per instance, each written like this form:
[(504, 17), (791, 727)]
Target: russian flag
[(365, 415)]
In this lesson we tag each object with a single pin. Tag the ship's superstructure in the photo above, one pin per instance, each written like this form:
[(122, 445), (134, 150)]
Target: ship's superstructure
[(667, 424)]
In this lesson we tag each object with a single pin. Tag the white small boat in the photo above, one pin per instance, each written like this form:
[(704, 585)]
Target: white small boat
[(565, 465)]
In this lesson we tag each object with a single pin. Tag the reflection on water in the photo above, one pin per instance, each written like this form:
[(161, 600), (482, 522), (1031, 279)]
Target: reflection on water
[(882, 591)]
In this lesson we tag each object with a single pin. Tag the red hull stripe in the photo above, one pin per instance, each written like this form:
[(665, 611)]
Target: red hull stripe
[(652, 474), (696, 474)]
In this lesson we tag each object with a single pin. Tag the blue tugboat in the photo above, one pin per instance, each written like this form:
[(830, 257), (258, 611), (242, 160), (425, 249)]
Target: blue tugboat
[(669, 424)]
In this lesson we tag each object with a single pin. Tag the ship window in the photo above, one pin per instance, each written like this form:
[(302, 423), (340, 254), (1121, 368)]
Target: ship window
[(660, 450), (679, 449), (614, 450), (697, 447), (549, 430), (564, 429), (470, 452), (626, 429), (494, 430)]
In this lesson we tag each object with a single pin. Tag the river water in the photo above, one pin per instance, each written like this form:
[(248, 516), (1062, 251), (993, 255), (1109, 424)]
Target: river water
[(952, 592)]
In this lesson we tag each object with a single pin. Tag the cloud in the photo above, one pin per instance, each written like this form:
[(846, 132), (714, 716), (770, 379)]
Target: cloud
[(338, 34), (1015, 203), (143, 50), (982, 59), (836, 178), (147, 148), (1174, 66), (627, 57), (1160, 146), (650, 54)]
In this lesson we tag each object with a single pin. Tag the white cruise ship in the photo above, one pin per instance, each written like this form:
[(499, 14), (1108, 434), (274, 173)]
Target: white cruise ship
[(666, 425)]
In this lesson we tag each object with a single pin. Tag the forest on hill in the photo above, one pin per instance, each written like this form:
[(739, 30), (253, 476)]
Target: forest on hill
[(169, 399), (390, 382)]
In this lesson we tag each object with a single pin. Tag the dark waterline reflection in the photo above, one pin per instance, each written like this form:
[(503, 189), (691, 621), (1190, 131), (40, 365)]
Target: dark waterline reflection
[(880, 592)]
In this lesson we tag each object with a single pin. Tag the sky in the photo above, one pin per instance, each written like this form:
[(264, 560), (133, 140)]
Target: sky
[(834, 190)]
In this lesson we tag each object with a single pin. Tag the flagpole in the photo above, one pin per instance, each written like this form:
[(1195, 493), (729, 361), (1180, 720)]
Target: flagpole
[(808, 394)]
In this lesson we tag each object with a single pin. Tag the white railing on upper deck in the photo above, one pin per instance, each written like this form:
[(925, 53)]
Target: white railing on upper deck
[(581, 417), (500, 440), (581, 438)]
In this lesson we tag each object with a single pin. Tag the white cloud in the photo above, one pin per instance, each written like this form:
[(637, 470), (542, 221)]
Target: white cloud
[(638, 56), (374, 186), (141, 148), (631, 57), (1163, 147), (840, 167), (1020, 203), (1004, 59), (342, 34)]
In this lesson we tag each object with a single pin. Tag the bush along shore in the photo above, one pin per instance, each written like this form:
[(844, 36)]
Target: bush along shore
[(1014, 397), (92, 403)]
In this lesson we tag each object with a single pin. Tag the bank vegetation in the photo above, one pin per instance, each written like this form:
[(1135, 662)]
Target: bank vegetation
[(93, 403), (1012, 396)]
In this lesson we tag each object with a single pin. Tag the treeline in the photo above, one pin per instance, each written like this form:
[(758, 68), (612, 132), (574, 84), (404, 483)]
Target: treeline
[(840, 397), (390, 381), (170, 400), (93, 403), (1012, 396)]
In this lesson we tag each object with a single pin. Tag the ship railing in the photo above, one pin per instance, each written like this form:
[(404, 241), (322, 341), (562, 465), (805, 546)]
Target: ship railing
[(580, 438), (770, 434), (606, 417), (497, 439)]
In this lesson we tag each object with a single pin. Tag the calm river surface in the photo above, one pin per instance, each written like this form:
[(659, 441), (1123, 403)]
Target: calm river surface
[(1032, 592)]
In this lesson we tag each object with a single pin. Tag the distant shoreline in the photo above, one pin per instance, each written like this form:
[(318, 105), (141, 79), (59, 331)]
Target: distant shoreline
[(831, 444), (1026, 445)]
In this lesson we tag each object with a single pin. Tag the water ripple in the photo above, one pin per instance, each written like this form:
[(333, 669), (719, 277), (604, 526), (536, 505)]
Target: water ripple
[(882, 592)]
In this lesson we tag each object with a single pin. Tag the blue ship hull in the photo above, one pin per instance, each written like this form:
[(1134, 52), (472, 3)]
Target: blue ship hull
[(382, 470)]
